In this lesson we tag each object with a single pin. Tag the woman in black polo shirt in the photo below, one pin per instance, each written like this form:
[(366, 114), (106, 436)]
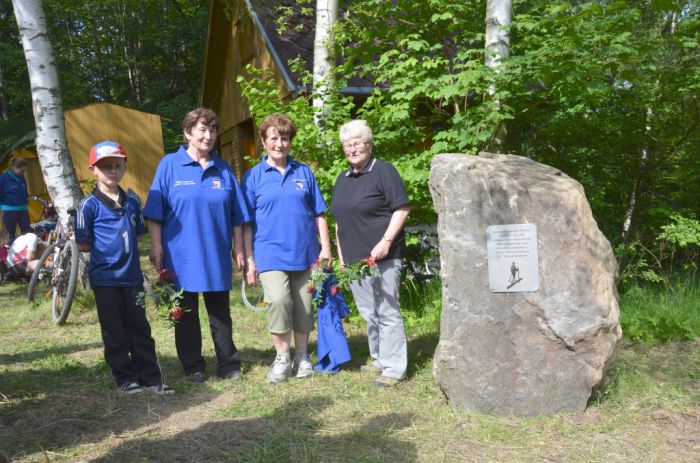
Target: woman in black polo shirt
[(370, 206)]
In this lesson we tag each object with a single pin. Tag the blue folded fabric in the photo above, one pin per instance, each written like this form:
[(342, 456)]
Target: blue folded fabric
[(333, 349)]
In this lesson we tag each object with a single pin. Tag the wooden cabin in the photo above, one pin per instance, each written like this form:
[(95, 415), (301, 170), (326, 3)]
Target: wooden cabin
[(243, 32), (139, 133)]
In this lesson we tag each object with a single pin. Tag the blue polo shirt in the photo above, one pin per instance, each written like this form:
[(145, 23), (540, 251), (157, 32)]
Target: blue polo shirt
[(13, 192), (113, 231), (283, 208), (198, 208)]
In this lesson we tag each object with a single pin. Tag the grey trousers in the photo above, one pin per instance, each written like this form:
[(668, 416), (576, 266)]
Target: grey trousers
[(377, 300)]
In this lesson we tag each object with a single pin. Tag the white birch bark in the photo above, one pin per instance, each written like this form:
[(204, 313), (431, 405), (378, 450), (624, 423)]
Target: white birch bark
[(629, 213), (326, 17), (51, 147), (498, 17)]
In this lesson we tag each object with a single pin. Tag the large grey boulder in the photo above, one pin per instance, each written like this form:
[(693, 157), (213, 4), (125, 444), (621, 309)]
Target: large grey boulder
[(521, 353)]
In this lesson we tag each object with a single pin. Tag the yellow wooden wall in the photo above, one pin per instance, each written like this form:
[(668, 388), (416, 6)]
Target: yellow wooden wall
[(139, 133)]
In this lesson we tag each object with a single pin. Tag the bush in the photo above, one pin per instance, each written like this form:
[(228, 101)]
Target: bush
[(657, 315), (676, 249)]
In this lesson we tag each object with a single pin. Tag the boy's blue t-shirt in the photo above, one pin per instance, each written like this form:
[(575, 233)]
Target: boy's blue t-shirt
[(198, 209), (283, 208), (113, 234)]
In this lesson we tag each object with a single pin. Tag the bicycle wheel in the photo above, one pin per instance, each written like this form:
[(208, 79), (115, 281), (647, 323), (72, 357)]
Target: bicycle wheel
[(40, 283), (66, 277), (253, 297)]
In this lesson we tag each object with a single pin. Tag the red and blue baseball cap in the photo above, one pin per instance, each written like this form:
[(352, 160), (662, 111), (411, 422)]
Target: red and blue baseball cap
[(106, 149)]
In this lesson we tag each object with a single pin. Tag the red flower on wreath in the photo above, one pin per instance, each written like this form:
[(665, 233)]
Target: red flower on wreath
[(176, 314)]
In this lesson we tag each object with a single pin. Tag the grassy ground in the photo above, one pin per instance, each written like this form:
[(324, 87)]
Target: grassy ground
[(58, 403)]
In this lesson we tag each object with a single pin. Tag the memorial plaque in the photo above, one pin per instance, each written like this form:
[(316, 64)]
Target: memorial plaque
[(512, 258)]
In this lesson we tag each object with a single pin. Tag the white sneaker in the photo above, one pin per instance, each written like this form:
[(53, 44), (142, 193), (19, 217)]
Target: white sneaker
[(302, 366), (281, 369), (160, 389)]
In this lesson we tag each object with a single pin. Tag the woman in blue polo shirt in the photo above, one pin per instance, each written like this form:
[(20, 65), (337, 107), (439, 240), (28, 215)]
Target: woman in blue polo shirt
[(194, 209), (13, 198), (287, 210)]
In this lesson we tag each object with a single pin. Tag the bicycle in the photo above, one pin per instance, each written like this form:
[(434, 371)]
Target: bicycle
[(47, 222), (58, 270)]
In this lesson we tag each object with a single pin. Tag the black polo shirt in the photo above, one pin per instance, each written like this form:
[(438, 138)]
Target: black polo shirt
[(363, 203)]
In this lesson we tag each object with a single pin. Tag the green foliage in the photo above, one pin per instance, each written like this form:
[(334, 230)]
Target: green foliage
[(421, 305), (144, 54), (655, 315), (605, 91), (683, 232), (602, 90), (676, 250)]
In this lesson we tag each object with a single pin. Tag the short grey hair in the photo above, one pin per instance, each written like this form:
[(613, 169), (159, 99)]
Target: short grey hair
[(356, 128)]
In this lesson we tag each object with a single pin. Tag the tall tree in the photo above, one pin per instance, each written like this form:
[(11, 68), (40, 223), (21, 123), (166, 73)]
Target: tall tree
[(498, 18), (324, 59), (52, 150)]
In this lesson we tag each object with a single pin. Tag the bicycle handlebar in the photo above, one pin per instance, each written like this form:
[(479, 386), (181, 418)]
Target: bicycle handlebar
[(40, 200)]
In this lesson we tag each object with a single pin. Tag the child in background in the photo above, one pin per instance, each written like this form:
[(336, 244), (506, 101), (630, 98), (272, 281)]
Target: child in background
[(13, 198), (23, 254), (109, 223)]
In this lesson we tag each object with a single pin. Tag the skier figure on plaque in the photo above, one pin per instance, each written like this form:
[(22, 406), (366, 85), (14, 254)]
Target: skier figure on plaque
[(514, 275)]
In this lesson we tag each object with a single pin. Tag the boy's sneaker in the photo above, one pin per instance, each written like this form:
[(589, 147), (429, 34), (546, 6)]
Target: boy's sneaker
[(130, 388), (302, 367), (160, 389), (281, 369)]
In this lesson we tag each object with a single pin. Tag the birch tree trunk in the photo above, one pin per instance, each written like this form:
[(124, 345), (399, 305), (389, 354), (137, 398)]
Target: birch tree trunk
[(498, 18), (324, 60), (638, 185), (51, 148)]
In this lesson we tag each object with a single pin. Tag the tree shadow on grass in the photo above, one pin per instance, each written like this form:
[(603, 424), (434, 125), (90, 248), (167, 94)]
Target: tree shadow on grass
[(6, 359), (14, 288), (60, 401), (292, 432)]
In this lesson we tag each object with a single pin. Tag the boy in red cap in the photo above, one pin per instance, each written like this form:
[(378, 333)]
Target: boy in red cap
[(108, 224)]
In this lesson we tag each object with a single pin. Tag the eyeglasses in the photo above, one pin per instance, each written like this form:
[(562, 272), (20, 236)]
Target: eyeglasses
[(354, 145)]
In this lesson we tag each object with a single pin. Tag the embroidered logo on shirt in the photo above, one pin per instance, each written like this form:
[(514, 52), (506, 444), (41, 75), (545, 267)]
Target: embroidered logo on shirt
[(216, 183), (299, 183), (184, 182)]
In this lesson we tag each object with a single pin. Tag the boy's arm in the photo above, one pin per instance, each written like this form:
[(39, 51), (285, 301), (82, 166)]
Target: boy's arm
[(83, 228)]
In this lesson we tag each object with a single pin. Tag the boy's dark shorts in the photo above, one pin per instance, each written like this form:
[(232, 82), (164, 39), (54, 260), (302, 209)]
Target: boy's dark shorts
[(19, 269)]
